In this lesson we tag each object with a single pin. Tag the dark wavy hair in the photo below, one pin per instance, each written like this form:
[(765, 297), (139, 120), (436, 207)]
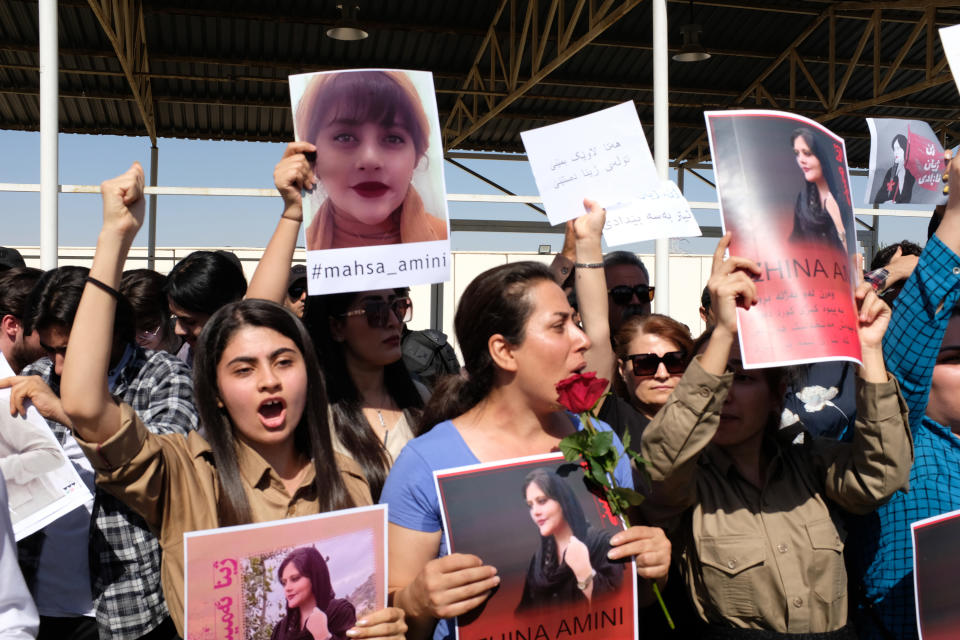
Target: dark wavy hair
[(346, 405), (312, 434), (811, 220), (495, 302), (312, 566), (554, 487)]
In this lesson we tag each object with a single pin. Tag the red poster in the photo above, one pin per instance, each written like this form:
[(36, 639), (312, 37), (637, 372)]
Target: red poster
[(534, 520), (785, 196), (924, 161)]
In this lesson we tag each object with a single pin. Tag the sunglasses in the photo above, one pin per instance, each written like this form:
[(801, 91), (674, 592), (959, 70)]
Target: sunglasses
[(377, 311), (646, 364), (622, 294), (296, 290)]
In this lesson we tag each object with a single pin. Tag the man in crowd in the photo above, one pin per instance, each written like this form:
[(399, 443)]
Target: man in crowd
[(18, 348), (106, 563), (628, 287), (296, 290), (922, 349)]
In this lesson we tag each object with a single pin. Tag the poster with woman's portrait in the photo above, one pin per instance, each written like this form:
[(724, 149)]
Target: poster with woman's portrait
[(548, 536), (42, 483), (377, 218), (308, 578), (906, 163), (785, 195)]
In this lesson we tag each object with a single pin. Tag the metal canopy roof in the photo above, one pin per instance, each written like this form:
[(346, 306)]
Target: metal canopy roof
[(217, 70)]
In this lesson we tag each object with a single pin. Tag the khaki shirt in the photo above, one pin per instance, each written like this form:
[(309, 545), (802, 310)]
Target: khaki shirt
[(170, 480), (769, 558)]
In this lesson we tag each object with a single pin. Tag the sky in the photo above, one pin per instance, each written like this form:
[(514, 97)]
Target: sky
[(248, 222)]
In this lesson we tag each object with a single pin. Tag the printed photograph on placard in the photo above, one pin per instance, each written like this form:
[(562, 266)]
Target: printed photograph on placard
[(906, 163), (784, 191), (42, 483), (548, 536), (307, 578), (935, 569), (378, 215)]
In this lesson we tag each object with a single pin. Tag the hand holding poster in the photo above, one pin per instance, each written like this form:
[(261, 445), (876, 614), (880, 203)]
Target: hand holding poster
[(269, 580), (604, 156), (378, 217), (785, 196), (42, 483), (534, 520), (906, 163), (935, 568)]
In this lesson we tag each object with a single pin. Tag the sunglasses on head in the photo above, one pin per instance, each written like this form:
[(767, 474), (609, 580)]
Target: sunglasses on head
[(622, 294), (377, 311), (646, 364), (296, 290)]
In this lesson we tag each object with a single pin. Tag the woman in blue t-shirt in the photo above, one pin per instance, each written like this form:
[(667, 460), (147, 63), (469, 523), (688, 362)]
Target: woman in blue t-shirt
[(516, 331)]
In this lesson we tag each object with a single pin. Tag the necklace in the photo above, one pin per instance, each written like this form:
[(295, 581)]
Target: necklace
[(383, 425)]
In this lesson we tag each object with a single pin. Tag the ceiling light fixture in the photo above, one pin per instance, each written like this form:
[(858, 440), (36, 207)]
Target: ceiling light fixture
[(691, 50), (347, 27)]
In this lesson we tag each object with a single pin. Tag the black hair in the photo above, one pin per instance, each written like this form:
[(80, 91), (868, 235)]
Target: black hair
[(902, 141), (346, 405), (935, 219), (143, 288), (616, 258), (495, 302), (705, 299), (811, 219), (15, 287), (884, 256), (204, 281), (312, 434), (56, 296), (312, 565)]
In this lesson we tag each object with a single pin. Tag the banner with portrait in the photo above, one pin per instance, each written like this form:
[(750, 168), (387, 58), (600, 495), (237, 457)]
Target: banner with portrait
[(906, 163), (936, 565), (784, 191), (548, 536), (377, 218), (42, 483), (268, 580)]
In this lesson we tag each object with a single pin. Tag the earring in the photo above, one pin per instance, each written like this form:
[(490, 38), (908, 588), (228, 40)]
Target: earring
[(219, 403)]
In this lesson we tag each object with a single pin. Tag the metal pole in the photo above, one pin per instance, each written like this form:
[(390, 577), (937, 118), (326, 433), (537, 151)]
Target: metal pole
[(661, 144), (152, 225), (49, 125)]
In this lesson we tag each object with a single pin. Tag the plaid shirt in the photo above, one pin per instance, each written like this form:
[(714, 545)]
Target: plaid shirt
[(881, 549), (124, 554)]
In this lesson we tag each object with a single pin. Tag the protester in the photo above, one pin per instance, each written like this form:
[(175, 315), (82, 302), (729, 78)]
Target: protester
[(17, 345), (518, 339), (891, 267), (628, 287), (706, 311), (143, 288), (753, 518), (123, 562), (374, 402), (296, 290), (921, 350), (196, 287), (261, 400), (10, 258)]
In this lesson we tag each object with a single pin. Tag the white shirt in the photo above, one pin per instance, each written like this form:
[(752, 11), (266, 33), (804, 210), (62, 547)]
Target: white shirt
[(18, 614)]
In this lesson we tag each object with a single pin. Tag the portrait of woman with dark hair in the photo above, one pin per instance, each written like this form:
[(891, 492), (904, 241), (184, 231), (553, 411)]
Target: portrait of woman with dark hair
[(313, 610), (571, 564), (897, 184), (821, 206), (371, 132)]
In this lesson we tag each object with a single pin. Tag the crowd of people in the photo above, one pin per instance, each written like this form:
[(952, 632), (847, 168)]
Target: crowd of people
[(195, 400)]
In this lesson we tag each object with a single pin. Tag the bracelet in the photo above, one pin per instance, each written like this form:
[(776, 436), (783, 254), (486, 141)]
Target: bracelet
[(100, 285), (586, 583), (588, 265)]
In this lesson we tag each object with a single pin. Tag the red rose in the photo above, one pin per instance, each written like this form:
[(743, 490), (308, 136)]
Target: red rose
[(581, 391)]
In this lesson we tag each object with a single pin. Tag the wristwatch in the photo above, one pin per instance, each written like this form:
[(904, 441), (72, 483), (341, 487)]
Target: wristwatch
[(586, 583)]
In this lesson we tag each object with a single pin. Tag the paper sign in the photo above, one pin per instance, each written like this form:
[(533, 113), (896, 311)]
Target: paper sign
[(377, 218), (906, 163), (42, 484), (663, 213), (234, 575), (936, 565), (513, 514), (604, 156), (785, 196), (950, 37)]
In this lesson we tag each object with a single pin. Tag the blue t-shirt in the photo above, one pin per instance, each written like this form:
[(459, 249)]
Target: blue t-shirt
[(412, 495)]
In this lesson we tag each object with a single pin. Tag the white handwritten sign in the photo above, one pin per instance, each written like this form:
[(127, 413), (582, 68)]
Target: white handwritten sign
[(661, 213), (950, 36)]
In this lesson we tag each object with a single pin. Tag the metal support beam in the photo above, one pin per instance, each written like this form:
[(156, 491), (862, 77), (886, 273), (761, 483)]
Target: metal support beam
[(152, 224), (661, 144), (49, 128), (490, 182), (122, 22), (498, 66)]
